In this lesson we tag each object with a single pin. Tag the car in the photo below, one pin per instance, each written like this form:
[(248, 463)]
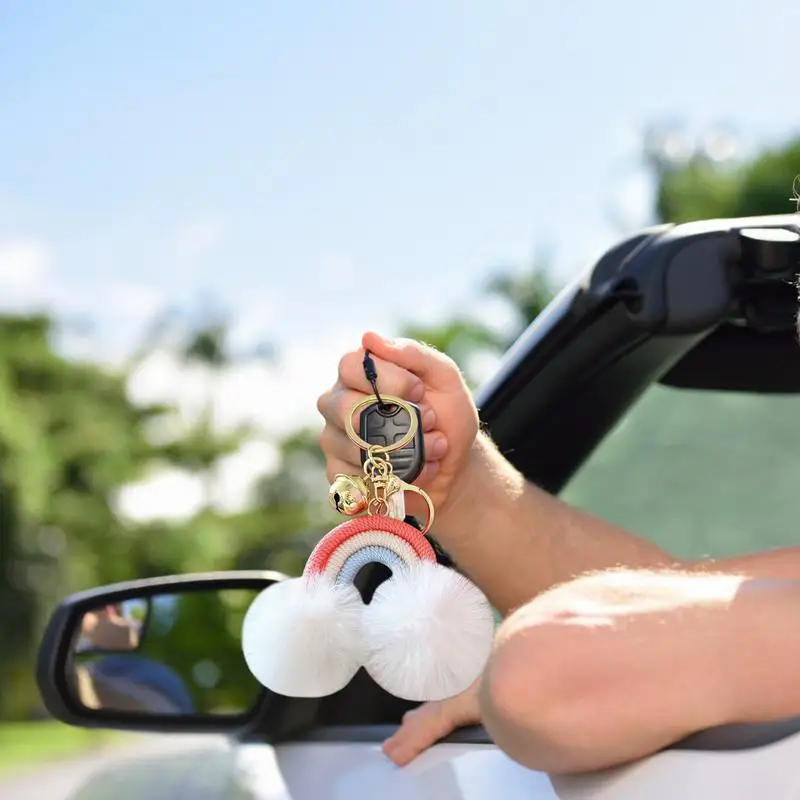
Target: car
[(659, 389)]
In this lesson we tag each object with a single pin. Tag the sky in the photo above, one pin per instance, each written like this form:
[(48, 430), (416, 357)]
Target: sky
[(323, 168)]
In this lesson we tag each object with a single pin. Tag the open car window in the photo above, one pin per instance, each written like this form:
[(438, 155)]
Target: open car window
[(700, 473)]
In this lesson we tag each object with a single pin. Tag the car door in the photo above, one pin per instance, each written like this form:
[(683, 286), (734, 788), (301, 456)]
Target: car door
[(627, 394), (646, 378)]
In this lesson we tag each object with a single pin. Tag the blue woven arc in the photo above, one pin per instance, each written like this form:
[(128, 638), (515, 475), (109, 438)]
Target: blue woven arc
[(371, 554)]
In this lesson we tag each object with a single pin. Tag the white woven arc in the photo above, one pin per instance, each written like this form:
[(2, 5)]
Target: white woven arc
[(427, 633), (390, 541), (301, 637)]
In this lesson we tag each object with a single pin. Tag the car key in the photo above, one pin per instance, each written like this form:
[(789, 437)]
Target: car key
[(383, 424)]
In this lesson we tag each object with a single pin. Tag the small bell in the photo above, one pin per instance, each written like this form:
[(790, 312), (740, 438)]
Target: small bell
[(348, 494)]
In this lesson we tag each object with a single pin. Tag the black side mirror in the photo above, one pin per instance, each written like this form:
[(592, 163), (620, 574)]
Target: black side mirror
[(154, 655)]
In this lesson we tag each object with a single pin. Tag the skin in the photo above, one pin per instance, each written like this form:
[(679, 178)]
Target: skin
[(670, 652), (614, 648), (107, 629), (430, 722)]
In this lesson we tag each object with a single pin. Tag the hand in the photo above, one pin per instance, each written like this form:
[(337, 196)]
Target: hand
[(425, 725), (419, 374), (107, 630)]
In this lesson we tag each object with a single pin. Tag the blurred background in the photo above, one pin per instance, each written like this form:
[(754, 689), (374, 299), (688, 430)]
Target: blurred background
[(203, 206)]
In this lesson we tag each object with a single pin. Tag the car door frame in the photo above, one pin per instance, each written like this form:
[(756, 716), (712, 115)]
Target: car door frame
[(611, 333)]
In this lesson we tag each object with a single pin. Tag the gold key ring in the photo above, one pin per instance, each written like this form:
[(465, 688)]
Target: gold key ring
[(389, 400), (409, 487)]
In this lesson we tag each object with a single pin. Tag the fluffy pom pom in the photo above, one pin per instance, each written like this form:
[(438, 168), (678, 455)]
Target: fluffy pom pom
[(301, 637), (427, 633)]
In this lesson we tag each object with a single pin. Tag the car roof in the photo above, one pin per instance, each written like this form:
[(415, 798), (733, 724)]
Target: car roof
[(706, 305), (660, 306)]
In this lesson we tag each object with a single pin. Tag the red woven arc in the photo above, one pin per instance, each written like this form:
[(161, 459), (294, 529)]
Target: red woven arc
[(332, 540)]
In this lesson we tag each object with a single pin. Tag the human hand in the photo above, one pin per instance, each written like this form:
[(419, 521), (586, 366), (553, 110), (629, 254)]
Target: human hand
[(417, 373), (425, 725), (106, 629)]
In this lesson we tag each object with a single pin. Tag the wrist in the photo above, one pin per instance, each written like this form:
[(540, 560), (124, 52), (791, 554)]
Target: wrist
[(486, 485), (466, 706)]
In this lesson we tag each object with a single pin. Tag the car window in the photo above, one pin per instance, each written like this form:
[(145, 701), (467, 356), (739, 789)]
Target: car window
[(700, 473)]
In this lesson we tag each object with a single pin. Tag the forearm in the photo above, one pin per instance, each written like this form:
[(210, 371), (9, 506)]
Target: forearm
[(625, 665), (515, 540), (783, 563)]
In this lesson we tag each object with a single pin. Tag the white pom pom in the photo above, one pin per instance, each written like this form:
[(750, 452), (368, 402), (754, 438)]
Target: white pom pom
[(427, 633), (301, 637)]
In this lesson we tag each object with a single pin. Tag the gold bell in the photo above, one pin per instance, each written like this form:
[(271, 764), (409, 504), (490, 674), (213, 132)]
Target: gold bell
[(349, 495)]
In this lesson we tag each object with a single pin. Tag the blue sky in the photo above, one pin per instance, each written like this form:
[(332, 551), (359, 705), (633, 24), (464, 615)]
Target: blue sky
[(289, 157)]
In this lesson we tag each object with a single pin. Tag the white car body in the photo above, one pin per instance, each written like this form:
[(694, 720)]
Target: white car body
[(346, 762), (359, 771), (480, 772)]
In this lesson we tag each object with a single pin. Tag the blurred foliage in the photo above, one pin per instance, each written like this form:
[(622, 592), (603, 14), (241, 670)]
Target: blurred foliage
[(459, 338), (703, 189), (70, 439), (524, 295)]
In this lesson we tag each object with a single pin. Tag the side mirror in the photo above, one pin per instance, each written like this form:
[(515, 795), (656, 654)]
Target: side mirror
[(162, 654)]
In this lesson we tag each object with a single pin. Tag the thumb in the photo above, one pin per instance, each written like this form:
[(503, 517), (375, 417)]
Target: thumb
[(435, 369)]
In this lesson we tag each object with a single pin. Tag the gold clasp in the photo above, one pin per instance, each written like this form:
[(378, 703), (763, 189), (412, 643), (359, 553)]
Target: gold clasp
[(351, 495)]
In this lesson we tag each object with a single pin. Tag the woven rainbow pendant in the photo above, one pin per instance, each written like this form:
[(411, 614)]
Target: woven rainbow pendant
[(425, 635)]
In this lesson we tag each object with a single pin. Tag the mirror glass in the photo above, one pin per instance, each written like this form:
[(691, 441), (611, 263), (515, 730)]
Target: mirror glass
[(113, 628), (165, 654)]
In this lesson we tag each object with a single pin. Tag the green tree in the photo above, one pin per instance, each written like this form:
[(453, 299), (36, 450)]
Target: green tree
[(460, 338), (200, 336), (68, 437), (291, 511), (525, 293), (702, 189)]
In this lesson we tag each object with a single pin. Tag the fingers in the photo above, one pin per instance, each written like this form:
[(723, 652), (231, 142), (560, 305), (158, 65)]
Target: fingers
[(436, 370), (337, 403), (420, 729), (343, 456), (415, 505), (426, 724), (392, 379), (395, 378)]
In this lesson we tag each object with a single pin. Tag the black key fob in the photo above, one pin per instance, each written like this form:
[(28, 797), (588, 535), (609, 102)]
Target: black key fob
[(385, 425)]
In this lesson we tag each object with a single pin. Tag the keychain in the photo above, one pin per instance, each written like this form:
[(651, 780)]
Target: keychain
[(427, 631)]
